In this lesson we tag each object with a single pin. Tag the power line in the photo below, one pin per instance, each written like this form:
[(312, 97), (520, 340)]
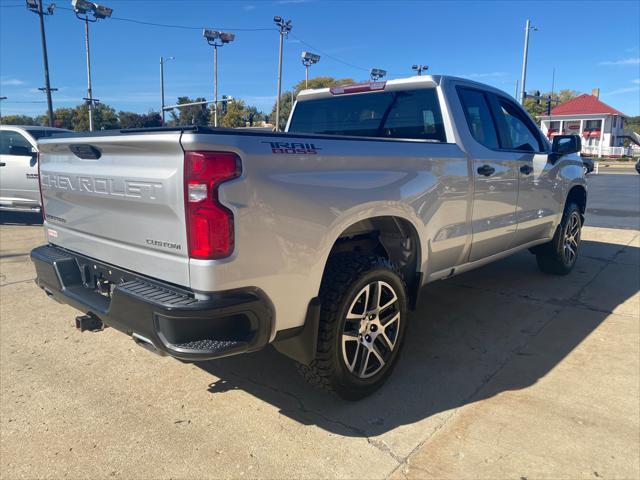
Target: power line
[(335, 59), (184, 27)]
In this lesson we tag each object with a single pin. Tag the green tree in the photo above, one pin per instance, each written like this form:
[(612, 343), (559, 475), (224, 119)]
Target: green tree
[(235, 115), (534, 108), (18, 120), (63, 117), (191, 115), (104, 117), (316, 82), (633, 123), (139, 120)]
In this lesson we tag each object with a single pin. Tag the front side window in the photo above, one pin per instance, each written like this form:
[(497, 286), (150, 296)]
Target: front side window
[(9, 138), (520, 133), (411, 114), (478, 114)]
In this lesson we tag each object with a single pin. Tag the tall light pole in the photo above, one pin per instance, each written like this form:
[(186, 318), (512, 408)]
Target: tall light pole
[(523, 79), (36, 7), (284, 27), (377, 74), (162, 62), (308, 59), (216, 39), (99, 12), (419, 68)]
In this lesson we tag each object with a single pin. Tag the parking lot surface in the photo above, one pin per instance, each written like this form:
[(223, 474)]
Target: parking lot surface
[(506, 373)]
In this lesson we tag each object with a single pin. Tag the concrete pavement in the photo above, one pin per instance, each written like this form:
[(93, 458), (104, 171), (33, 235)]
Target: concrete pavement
[(506, 373)]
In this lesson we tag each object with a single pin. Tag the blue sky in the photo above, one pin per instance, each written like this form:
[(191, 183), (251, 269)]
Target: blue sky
[(590, 44)]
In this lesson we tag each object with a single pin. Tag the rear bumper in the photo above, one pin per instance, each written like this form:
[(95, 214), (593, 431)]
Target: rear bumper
[(168, 317)]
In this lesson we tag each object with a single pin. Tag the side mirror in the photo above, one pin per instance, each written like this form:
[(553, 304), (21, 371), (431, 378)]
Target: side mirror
[(566, 144), (21, 151)]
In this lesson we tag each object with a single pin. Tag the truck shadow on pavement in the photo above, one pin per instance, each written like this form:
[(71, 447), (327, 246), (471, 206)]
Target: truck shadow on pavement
[(465, 331)]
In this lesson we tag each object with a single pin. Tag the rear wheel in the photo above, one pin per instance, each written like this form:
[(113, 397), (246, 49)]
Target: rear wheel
[(362, 324), (559, 256)]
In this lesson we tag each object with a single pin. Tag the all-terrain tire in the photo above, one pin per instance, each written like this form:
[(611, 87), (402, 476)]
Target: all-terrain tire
[(554, 257), (346, 276)]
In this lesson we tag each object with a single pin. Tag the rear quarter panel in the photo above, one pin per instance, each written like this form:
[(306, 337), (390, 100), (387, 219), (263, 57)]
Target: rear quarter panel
[(291, 207)]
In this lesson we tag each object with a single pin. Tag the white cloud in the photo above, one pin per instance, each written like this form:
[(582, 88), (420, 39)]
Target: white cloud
[(486, 75), (11, 82), (624, 61), (247, 8), (636, 81), (620, 91)]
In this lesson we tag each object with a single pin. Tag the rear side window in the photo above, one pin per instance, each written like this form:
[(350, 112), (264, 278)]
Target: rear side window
[(413, 114), (10, 139), (478, 114)]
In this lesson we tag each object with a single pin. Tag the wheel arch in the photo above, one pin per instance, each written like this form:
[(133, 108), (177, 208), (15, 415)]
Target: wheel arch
[(578, 194), (391, 236)]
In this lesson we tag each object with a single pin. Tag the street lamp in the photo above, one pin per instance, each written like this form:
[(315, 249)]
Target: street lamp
[(377, 74), (216, 39), (162, 62), (99, 12), (36, 7), (308, 59), (284, 26), (527, 28), (1, 99), (419, 68)]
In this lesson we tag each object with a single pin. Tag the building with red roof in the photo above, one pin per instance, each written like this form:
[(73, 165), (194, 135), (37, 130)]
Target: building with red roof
[(600, 125)]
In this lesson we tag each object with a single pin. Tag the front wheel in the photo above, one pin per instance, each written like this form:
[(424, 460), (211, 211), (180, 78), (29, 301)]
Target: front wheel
[(362, 323), (559, 256)]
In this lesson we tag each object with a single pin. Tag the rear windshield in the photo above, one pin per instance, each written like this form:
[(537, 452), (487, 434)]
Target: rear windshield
[(412, 114)]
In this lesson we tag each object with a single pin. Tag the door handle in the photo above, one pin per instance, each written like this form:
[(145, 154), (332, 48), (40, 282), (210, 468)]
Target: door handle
[(3, 164), (486, 170), (526, 169)]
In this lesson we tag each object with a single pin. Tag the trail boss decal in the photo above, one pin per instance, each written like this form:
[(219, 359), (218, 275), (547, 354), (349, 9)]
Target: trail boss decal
[(293, 148)]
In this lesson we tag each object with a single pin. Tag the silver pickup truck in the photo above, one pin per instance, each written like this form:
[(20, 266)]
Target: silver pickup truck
[(202, 243)]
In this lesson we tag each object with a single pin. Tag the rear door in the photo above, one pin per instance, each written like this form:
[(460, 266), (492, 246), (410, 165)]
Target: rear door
[(18, 173), (495, 177), (119, 199)]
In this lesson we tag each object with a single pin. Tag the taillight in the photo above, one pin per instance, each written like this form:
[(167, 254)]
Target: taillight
[(38, 159), (209, 224)]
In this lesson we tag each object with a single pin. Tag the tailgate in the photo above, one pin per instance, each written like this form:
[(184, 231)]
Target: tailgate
[(119, 199)]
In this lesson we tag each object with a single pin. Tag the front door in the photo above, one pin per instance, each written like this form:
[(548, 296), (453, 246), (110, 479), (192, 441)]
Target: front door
[(18, 173), (537, 208)]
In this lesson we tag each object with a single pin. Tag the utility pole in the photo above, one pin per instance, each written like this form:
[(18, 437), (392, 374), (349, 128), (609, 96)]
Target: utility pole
[(523, 79), (162, 62), (284, 27), (89, 98), (36, 7), (1, 99), (216, 39), (82, 9)]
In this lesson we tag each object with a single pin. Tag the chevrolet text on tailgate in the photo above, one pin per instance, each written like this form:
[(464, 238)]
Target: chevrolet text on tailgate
[(202, 243)]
